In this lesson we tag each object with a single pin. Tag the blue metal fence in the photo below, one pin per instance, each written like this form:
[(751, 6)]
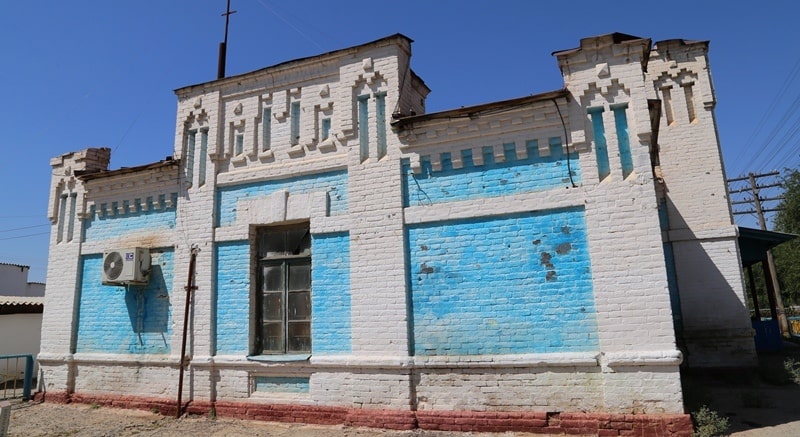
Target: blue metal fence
[(13, 370)]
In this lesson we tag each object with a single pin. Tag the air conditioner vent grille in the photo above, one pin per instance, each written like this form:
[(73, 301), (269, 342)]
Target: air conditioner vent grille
[(112, 265), (129, 266)]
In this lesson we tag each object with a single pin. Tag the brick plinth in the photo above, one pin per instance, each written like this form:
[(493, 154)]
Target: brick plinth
[(601, 424)]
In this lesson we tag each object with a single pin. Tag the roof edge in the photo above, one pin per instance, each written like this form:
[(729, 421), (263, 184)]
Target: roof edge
[(92, 175), (680, 42), (615, 38), (476, 110), (296, 61), (22, 266)]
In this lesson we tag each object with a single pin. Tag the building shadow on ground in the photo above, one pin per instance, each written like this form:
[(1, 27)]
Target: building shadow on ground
[(749, 398)]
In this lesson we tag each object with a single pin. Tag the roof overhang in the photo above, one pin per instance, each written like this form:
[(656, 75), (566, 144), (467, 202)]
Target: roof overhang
[(754, 244), (21, 305)]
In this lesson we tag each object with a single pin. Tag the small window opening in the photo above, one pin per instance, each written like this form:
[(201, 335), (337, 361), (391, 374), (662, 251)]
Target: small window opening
[(325, 128), (295, 125), (666, 94), (266, 129), (601, 149), (689, 94), (363, 127)]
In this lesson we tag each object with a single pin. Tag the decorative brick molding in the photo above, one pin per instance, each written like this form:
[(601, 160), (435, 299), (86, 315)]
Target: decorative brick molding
[(600, 424)]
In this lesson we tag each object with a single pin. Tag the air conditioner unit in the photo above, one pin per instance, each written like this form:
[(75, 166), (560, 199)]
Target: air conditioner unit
[(126, 266)]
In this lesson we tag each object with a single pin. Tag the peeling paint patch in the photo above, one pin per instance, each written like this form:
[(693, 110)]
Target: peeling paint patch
[(545, 260), (424, 268), (563, 248)]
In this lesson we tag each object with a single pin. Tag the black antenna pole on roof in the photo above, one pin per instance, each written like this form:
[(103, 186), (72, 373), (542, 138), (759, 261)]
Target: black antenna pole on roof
[(224, 44)]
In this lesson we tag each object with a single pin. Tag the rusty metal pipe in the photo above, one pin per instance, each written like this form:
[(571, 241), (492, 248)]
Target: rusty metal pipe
[(189, 287)]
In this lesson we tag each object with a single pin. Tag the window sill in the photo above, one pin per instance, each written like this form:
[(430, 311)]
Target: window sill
[(279, 358)]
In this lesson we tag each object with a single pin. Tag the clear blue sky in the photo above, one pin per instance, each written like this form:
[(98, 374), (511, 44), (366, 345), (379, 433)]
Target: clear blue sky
[(83, 73)]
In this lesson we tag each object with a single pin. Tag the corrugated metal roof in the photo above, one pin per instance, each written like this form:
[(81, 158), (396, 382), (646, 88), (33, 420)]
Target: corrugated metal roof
[(21, 300), (15, 265)]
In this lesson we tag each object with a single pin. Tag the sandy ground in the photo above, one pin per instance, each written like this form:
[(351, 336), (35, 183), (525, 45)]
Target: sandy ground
[(764, 404), (78, 420), (48, 419)]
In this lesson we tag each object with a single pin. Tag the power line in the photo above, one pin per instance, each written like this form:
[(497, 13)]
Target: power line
[(755, 194), (779, 127), (25, 227), (790, 77), (786, 129), (295, 28), (758, 203), (24, 236), (133, 122)]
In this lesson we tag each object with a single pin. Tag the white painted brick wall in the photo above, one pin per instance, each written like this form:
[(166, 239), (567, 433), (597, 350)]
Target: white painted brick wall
[(707, 262), (628, 267), (63, 260), (369, 388), (635, 368), (132, 379), (545, 389)]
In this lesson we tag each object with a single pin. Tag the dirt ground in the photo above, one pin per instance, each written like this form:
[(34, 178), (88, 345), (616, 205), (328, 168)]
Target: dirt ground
[(79, 420), (48, 419), (763, 403)]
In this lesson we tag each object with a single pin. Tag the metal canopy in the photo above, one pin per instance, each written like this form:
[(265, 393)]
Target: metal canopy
[(754, 244)]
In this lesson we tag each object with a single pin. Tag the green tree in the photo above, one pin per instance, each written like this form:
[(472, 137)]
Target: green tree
[(787, 255)]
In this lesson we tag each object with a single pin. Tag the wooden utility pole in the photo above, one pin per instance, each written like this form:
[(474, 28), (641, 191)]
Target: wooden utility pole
[(774, 291)]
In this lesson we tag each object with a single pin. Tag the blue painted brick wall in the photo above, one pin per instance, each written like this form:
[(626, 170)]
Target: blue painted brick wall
[(136, 321), (335, 183), (233, 298), (111, 227), (492, 179), (280, 384), (330, 295), (507, 285)]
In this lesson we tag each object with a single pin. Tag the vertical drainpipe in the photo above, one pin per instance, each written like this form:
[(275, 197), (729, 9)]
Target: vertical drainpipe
[(189, 288)]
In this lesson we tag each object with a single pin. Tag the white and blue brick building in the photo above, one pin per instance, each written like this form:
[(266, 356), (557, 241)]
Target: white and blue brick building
[(556, 253)]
